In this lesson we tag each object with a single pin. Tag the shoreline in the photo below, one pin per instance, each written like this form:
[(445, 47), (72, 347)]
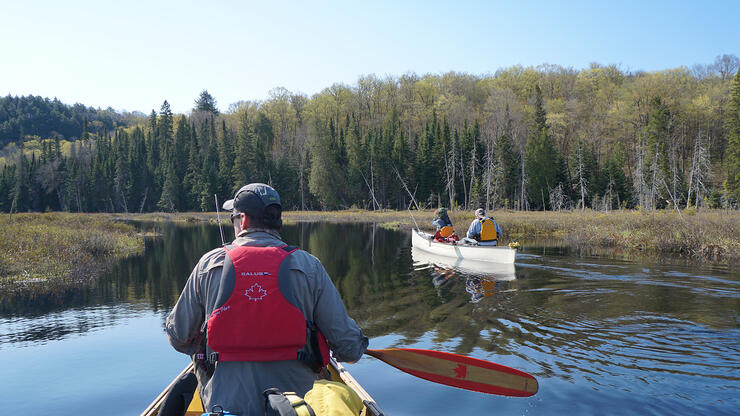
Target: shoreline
[(42, 251), (697, 236)]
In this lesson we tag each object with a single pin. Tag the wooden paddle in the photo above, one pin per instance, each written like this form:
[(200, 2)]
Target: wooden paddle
[(459, 371)]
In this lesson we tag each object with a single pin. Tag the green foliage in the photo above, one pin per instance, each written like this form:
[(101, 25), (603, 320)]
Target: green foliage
[(732, 184), (206, 103), (612, 180), (36, 116), (510, 139), (543, 163)]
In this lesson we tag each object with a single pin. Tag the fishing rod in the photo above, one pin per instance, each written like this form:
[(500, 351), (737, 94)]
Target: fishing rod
[(411, 195), (218, 215)]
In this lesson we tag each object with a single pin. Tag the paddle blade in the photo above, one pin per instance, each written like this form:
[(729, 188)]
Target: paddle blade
[(459, 371)]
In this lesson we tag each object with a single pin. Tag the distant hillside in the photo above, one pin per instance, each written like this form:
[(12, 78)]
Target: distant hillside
[(45, 118)]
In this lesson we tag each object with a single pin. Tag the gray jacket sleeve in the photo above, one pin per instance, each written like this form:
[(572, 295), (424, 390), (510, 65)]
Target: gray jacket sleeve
[(183, 324), (320, 299), (344, 336)]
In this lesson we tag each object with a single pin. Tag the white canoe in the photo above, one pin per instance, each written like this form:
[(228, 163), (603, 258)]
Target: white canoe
[(477, 268), (495, 254)]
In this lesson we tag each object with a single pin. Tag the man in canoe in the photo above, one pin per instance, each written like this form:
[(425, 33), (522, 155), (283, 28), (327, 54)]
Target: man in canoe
[(444, 231), (483, 230), (269, 310)]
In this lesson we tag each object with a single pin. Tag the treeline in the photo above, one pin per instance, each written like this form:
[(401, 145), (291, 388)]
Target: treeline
[(42, 117), (524, 138)]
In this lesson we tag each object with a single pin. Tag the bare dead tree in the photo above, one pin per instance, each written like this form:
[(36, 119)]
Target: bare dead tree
[(120, 195), (582, 181), (449, 178), (639, 184), (523, 204), (473, 162), (141, 206), (372, 193), (488, 177), (656, 179), (675, 177), (498, 175), (700, 171), (557, 198)]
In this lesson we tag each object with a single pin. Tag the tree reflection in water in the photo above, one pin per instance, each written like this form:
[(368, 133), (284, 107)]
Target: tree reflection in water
[(614, 322)]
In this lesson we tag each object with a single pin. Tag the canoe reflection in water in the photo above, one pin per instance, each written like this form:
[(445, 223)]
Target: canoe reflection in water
[(481, 277)]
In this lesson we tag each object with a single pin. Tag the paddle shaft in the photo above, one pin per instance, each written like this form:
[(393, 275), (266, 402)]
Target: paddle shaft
[(459, 371)]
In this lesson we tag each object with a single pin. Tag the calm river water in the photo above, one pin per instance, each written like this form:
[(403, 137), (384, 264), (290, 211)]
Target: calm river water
[(602, 336)]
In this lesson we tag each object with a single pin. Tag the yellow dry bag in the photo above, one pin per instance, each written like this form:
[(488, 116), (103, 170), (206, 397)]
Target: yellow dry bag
[(330, 398)]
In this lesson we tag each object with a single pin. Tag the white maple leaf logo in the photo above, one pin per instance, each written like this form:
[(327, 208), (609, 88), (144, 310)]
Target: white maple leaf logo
[(255, 292)]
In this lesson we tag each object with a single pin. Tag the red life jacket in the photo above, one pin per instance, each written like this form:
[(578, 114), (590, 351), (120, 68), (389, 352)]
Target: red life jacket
[(257, 322)]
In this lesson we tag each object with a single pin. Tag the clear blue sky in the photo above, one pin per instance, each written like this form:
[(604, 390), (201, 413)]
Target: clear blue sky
[(134, 54)]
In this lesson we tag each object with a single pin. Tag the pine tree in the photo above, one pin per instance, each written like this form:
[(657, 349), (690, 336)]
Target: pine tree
[(543, 162), (123, 174), (326, 179), (259, 155), (136, 187), (169, 200), (165, 134), (206, 103), (655, 164), (7, 182), (209, 172), (225, 161), (613, 182), (242, 171), (357, 161), (507, 156), (192, 183), (732, 184), (85, 133), (21, 197)]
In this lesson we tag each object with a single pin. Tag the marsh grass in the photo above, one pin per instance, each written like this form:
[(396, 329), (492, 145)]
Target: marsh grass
[(53, 249), (42, 254), (706, 235)]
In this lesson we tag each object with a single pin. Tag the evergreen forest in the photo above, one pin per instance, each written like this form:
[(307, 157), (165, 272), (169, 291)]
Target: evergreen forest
[(535, 138)]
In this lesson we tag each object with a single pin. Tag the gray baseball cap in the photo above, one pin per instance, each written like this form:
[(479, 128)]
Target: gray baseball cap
[(480, 211), (252, 199)]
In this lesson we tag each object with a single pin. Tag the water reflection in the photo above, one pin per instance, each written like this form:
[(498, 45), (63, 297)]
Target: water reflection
[(481, 277), (593, 330)]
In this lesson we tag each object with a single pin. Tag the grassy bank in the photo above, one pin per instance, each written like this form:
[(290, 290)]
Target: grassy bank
[(706, 235), (45, 250), (700, 236), (58, 249)]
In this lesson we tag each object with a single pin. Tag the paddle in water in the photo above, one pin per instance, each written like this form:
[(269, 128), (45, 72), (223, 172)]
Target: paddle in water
[(459, 371)]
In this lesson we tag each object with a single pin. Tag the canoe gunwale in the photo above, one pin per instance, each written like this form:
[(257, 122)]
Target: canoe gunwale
[(336, 370)]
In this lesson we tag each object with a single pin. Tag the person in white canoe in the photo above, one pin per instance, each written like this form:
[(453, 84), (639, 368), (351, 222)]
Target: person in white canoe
[(483, 230)]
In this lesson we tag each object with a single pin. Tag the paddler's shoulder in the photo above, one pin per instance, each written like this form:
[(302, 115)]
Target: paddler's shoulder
[(213, 258), (301, 259)]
